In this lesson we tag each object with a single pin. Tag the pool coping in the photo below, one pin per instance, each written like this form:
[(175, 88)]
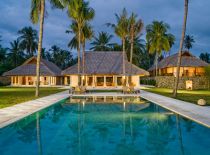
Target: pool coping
[(196, 113), (14, 113)]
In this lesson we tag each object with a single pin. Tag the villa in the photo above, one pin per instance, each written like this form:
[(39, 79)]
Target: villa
[(25, 75), (102, 70), (192, 72), (190, 66)]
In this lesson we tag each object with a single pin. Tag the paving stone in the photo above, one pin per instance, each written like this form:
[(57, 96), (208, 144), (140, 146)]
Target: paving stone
[(11, 114)]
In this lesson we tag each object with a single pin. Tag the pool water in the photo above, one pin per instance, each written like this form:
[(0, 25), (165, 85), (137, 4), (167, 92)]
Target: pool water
[(104, 126)]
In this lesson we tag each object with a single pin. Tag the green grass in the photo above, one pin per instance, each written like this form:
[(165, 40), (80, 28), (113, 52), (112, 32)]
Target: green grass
[(185, 95), (10, 95)]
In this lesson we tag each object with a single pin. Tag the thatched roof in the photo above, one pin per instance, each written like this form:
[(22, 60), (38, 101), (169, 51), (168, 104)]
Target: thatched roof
[(105, 63), (28, 68), (188, 60)]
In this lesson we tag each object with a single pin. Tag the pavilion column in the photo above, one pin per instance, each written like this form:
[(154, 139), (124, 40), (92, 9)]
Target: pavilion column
[(94, 81), (34, 80), (11, 80), (104, 81), (86, 81), (115, 81), (48, 80), (53, 80), (19, 80), (65, 80), (26, 80)]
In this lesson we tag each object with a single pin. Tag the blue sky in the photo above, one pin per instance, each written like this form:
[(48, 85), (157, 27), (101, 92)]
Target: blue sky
[(15, 15)]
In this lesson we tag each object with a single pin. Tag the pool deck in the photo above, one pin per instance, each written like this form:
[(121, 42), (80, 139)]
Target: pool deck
[(199, 114), (11, 114)]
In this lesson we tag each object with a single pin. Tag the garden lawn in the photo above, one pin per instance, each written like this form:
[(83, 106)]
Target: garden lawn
[(10, 96), (185, 95)]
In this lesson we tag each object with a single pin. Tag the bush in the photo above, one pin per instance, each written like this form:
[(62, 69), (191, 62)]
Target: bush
[(148, 82)]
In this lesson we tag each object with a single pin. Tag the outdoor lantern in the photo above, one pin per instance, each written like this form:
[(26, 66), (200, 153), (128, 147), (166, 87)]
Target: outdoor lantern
[(189, 84)]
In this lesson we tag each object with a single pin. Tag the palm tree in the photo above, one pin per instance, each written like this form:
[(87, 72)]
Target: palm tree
[(205, 57), (186, 2), (62, 58), (171, 39), (135, 28), (188, 42), (28, 40), (81, 13), (102, 42), (86, 34), (15, 54), (158, 39), (121, 29), (37, 16)]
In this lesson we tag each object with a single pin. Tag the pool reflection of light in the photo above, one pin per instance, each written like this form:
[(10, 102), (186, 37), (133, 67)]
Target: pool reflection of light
[(124, 106), (83, 104)]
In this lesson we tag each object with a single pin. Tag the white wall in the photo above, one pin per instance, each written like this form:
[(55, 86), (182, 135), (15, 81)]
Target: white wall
[(74, 81)]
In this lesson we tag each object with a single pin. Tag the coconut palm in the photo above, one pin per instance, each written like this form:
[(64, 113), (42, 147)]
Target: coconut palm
[(135, 28), (186, 2), (102, 42), (121, 29), (188, 42), (37, 16), (205, 57), (157, 39), (86, 34), (28, 40), (80, 12), (15, 54), (3, 52), (62, 58)]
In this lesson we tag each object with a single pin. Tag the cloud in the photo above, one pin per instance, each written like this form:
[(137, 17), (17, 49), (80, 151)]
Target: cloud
[(15, 15)]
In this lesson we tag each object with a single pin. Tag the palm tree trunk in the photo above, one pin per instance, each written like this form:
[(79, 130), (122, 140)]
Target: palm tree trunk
[(156, 64), (180, 49), (123, 56), (78, 53), (131, 55), (123, 61), (40, 46), (83, 60)]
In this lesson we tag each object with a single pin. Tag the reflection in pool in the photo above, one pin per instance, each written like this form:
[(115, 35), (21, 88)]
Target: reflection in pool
[(105, 125)]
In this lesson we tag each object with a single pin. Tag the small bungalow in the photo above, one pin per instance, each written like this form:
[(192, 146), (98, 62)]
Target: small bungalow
[(190, 66), (25, 75), (104, 70)]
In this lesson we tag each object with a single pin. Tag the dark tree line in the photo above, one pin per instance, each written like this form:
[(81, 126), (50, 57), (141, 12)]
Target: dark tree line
[(25, 46)]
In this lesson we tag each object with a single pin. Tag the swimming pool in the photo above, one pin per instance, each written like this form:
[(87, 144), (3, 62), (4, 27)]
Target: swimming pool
[(105, 126)]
